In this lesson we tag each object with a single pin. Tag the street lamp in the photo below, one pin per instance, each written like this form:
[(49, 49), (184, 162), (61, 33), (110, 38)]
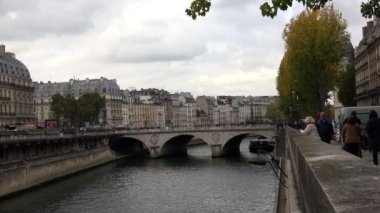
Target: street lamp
[(293, 105), (219, 117), (177, 120)]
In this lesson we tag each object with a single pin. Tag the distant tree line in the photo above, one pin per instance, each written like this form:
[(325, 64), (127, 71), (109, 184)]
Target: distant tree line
[(71, 112)]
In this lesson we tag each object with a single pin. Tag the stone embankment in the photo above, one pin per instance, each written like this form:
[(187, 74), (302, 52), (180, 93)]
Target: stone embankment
[(23, 174)]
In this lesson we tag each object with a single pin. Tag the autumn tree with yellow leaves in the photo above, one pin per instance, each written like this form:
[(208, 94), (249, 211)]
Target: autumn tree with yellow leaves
[(314, 45)]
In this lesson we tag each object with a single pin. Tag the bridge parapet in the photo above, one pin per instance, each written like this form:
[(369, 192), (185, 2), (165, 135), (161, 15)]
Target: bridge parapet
[(328, 179)]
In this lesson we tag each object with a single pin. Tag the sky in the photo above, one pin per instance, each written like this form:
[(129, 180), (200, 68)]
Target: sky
[(234, 50)]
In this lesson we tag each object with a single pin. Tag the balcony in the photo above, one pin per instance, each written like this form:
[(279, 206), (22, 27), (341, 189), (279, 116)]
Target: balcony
[(5, 98), (8, 114), (17, 86)]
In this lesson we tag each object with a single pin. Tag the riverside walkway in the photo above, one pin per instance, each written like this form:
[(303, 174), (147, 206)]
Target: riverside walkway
[(323, 177)]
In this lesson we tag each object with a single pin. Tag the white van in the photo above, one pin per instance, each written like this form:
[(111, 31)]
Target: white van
[(362, 112)]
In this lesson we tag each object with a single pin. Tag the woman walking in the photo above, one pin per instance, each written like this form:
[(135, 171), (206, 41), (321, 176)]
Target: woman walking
[(351, 136)]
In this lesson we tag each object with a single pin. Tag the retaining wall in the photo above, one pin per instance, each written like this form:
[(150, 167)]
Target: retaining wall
[(329, 179), (22, 175)]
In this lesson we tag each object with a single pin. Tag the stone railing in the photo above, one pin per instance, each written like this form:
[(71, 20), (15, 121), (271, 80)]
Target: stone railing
[(327, 179)]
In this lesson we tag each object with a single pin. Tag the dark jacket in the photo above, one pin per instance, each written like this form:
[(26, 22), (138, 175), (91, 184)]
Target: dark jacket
[(373, 130), (325, 130)]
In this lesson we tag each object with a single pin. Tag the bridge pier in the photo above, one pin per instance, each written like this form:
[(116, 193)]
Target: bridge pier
[(216, 150), (155, 151)]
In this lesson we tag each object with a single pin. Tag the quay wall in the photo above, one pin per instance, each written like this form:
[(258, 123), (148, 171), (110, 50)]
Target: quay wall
[(325, 178), (21, 175)]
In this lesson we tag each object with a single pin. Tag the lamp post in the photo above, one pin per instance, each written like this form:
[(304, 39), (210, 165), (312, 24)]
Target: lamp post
[(219, 117), (177, 120), (297, 107)]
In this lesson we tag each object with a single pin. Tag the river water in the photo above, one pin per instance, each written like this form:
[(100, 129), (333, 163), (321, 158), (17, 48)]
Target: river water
[(195, 183)]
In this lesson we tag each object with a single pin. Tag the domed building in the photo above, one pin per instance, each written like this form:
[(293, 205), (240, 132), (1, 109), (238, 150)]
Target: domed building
[(16, 90)]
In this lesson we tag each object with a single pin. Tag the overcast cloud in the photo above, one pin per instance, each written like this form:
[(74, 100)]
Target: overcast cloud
[(153, 44)]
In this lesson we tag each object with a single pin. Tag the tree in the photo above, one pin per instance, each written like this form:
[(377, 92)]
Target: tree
[(274, 112), (57, 106), (71, 110), (89, 106), (201, 7), (315, 42), (284, 82), (346, 86)]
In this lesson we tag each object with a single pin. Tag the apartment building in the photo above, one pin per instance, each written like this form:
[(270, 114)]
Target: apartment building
[(112, 113), (367, 65), (16, 90)]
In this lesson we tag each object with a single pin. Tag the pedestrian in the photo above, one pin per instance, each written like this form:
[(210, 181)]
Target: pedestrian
[(310, 128), (372, 128), (357, 120), (351, 136), (325, 128)]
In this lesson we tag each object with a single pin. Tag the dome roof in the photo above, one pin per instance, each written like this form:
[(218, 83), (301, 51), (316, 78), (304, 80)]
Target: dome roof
[(10, 66)]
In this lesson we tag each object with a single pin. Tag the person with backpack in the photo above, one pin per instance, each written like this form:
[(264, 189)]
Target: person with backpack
[(325, 128)]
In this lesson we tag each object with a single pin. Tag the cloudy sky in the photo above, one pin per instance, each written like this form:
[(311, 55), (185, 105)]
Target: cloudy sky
[(153, 44)]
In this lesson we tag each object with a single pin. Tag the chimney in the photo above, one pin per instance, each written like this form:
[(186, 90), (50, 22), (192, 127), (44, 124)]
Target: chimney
[(11, 54), (365, 32), (376, 21), (370, 26), (2, 49)]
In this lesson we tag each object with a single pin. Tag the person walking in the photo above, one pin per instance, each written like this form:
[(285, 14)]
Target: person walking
[(310, 128), (351, 136), (357, 120), (373, 130), (325, 128)]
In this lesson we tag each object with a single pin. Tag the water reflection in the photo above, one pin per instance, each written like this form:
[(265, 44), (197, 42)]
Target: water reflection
[(194, 183)]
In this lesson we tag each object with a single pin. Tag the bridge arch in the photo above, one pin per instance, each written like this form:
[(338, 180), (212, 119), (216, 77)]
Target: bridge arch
[(176, 145), (232, 145), (129, 146)]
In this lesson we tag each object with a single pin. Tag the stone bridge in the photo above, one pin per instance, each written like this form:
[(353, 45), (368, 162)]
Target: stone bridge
[(174, 142)]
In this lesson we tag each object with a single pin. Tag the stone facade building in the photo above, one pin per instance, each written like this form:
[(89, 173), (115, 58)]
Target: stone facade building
[(112, 113), (16, 90), (367, 66), (139, 111), (207, 104)]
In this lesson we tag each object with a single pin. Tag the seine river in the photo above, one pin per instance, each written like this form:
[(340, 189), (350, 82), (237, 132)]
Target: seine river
[(196, 183)]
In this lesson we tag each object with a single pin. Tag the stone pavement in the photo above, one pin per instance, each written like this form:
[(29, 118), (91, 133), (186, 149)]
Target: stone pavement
[(366, 155)]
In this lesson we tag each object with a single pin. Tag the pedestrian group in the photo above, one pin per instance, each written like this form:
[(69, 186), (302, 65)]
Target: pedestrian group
[(321, 128)]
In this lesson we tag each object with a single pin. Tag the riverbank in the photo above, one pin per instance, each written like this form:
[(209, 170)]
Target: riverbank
[(24, 174)]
